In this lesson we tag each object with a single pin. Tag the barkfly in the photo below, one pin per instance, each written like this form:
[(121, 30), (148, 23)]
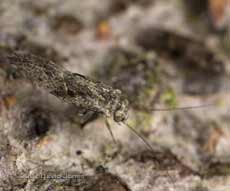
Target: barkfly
[(76, 89)]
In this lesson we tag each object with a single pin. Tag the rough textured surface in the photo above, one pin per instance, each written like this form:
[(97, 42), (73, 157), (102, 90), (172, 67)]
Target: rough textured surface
[(117, 42)]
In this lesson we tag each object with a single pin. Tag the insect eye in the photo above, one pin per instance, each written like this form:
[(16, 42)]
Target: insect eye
[(119, 115)]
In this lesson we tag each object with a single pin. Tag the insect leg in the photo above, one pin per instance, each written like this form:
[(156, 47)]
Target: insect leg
[(88, 117), (110, 130), (183, 108)]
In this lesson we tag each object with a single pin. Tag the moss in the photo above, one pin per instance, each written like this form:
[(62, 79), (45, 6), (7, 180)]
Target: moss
[(169, 98), (144, 120)]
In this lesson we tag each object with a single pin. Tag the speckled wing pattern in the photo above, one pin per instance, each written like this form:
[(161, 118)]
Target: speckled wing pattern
[(71, 87)]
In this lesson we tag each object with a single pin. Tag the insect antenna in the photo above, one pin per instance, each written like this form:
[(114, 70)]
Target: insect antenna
[(158, 109), (139, 135), (181, 108), (164, 109)]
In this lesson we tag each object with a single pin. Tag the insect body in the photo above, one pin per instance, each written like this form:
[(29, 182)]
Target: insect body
[(72, 88)]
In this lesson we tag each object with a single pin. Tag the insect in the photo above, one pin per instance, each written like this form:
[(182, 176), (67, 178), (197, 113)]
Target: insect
[(73, 88), (76, 89)]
